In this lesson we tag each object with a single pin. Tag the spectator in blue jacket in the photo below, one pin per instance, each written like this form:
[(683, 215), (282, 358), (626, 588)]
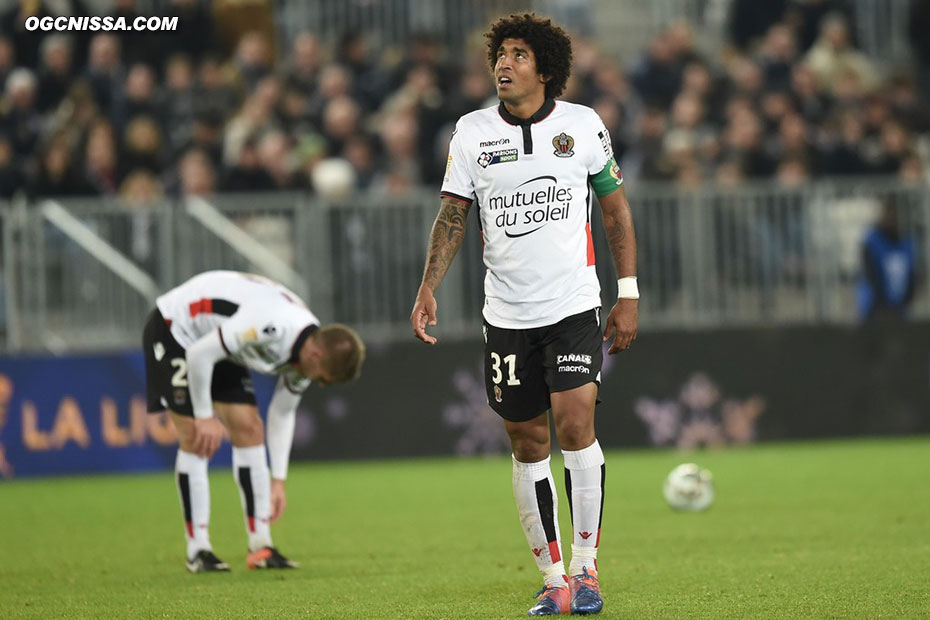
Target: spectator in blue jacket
[(886, 285)]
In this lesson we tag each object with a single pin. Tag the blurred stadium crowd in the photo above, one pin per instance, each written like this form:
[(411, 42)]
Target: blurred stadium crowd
[(143, 115)]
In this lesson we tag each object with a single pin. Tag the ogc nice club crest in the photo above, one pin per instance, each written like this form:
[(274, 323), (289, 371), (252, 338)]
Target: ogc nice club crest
[(563, 144)]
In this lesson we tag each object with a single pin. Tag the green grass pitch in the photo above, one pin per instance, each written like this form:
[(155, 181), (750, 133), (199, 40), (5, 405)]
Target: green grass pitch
[(810, 530)]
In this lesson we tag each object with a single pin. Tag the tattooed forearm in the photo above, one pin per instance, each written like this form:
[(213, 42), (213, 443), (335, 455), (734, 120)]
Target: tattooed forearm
[(445, 239), (616, 234), (618, 224)]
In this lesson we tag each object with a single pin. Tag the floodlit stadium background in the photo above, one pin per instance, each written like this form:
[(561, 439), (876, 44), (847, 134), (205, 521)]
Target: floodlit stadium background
[(306, 141)]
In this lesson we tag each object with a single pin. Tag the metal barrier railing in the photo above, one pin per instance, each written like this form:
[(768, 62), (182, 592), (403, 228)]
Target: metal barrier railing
[(753, 255), (882, 30), (880, 25), (266, 257), (389, 23), (7, 301)]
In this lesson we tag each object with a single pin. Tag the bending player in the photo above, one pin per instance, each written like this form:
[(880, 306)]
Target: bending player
[(200, 343)]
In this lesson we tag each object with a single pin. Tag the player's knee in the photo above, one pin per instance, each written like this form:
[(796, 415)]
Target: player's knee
[(184, 425), (246, 430), (574, 432), (186, 444), (530, 451), (529, 447)]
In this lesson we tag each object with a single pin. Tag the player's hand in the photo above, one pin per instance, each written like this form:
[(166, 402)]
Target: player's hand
[(208, 433), (622, 322), (278, 499), (424, 313)]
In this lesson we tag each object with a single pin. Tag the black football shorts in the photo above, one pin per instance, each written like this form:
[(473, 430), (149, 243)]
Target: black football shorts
[(523, 366), (166, 373)]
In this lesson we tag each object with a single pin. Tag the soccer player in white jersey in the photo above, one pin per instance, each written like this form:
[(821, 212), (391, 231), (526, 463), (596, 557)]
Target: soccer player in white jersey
[(528, 165), (200, 343)]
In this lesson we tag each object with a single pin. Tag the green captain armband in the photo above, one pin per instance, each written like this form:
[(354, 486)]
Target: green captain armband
[(607, 180)]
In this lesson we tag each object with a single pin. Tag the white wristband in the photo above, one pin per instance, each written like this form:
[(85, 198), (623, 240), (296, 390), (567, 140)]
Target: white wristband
[(627, 288)]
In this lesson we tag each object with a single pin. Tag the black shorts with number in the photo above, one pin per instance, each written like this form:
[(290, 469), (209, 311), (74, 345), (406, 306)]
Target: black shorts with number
[(523, 366), (166, 373)]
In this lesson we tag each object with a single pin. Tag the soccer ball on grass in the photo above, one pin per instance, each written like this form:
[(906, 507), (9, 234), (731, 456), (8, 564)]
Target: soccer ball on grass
[(689, 488)]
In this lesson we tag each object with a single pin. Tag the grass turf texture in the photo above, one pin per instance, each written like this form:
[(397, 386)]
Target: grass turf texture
[(809, 530)]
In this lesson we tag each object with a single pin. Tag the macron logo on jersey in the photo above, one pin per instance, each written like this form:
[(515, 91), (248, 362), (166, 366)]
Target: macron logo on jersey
[(494, 142), (530, 206)]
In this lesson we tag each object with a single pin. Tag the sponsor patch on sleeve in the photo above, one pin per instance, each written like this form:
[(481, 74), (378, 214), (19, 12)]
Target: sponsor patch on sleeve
[(448, 174), (605, 142), (249, 335)]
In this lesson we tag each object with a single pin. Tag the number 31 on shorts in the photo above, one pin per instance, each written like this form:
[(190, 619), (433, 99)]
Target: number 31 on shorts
[(511, 362)]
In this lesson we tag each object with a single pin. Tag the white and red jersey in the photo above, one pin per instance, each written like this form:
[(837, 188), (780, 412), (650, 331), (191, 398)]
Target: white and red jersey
[(260, 323), (530, 181)]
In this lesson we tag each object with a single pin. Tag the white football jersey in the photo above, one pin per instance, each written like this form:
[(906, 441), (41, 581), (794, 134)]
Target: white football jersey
[(529, 180), (261, 324)]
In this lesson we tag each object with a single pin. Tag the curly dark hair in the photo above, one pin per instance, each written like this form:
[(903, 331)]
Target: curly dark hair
[(550, 45)]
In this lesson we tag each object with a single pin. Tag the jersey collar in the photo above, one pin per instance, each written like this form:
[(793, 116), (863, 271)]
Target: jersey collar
[(546, 109), (305, 333)]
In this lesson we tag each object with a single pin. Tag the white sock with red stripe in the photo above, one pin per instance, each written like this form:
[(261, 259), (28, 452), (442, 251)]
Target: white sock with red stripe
[(250, 469), (584, 483), (537, 503), (194, 489)]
